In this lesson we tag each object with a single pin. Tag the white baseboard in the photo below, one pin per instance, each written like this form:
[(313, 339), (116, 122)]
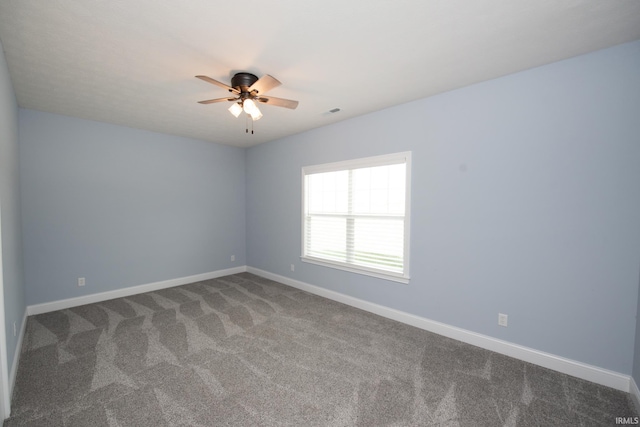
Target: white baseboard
[(5, 396), (567, 366), (16, 356), (635, 394), (125, 292)]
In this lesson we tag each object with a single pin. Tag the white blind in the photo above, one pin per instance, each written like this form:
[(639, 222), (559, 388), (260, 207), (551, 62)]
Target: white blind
[(355, 214)]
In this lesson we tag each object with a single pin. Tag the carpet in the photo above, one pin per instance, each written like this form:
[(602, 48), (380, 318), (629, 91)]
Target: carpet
[(243, 350)]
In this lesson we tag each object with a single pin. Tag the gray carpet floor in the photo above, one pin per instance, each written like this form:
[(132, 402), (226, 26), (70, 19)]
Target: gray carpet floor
[(242, 350)]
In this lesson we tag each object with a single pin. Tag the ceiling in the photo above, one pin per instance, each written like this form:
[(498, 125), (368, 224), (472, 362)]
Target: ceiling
[(133, 63)]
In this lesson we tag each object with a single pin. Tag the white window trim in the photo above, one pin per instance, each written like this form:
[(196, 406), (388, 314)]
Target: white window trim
[(387, 159)]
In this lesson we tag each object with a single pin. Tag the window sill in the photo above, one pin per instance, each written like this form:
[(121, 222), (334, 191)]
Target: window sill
[(353, 269)]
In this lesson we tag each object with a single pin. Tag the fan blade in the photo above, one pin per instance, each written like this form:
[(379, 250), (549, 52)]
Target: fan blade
[(211, 101), (278, 102), (264, 84), (217, 83)]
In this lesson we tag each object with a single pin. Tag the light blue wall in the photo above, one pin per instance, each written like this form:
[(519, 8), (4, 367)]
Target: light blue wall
[(14, 302), (123, 207), (525, 201), (636, 355)]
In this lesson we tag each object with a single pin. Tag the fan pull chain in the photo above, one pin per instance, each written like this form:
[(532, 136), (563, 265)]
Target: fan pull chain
[(246, 124)]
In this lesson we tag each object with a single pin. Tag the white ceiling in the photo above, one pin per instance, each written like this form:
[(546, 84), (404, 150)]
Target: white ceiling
[(133, 62)]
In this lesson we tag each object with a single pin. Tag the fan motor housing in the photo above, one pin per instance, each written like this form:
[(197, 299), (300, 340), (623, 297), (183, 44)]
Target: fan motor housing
[(243, 81)]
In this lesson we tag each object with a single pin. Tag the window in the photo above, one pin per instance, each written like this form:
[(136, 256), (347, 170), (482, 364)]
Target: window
[(356, 215)]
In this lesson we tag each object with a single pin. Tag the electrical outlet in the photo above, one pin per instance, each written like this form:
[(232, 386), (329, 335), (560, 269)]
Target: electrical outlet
[(293, 267), (81, 281), (233, 257), (502, 319)]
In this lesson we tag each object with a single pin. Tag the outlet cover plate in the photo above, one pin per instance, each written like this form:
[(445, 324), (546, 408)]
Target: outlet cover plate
[(502, 319)]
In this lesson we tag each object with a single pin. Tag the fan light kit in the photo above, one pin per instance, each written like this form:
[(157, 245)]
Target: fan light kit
[(249, 90)]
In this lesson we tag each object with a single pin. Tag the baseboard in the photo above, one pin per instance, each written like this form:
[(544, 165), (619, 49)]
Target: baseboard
[(125, 292), (5, 401), (16, 356), (567, 366), (635, 394)]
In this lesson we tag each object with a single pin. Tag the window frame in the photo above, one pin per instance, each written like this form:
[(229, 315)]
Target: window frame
[(366, 162)]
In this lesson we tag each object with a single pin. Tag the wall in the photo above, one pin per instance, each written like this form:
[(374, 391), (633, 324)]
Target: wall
[(123, 207), (525, 201), (14, 300)]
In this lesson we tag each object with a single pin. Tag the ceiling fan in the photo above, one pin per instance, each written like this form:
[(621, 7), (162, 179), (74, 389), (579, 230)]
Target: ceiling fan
[(248, 90)]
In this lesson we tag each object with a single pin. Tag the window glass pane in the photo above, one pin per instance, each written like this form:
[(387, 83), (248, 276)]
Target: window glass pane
[(361, 201), (397, 177), (326, 238), (396, 202), (380, 177), (397, 188), (379, 202), (361, 179), (328, 192), (361, 190), (379, 243), (379, 190)]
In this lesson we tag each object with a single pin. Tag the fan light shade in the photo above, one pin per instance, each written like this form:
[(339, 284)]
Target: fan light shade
[(256, 114), (249, 106), (235, 109)]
